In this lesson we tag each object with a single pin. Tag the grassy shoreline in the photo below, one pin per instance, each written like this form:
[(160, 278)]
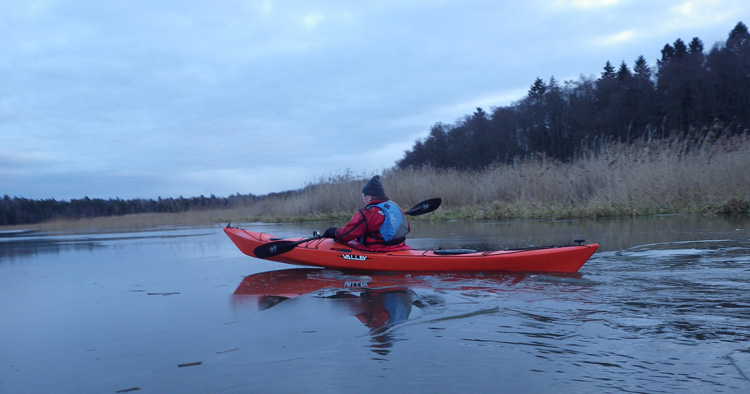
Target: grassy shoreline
[(670, 176)]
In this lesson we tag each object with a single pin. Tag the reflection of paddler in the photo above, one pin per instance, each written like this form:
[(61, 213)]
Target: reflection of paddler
[(382, 308)]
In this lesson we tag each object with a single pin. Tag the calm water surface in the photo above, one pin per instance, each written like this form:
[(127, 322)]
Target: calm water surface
[(663, 307)]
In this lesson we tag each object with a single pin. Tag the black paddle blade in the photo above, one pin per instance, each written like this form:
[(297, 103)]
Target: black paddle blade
[(274, 249), (424, 207)]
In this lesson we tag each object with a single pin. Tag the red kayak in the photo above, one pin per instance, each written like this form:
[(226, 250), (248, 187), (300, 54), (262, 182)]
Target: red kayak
[(325, 252)]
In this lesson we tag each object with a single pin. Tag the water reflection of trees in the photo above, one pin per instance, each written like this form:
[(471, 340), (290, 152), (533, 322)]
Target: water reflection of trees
[(16, 248)]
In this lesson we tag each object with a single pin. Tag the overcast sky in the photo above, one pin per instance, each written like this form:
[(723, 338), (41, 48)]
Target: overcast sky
[(142, 99)]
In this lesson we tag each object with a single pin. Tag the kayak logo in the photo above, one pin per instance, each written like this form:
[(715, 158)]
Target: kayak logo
[(354, 257), (358, 283)]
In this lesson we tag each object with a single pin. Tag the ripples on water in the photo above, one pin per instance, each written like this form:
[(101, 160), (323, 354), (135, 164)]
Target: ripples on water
[(669, 317), (665, 317), (685, 306)]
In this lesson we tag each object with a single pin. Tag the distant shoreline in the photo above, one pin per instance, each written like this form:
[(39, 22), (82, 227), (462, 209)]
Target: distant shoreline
[(122, 223)]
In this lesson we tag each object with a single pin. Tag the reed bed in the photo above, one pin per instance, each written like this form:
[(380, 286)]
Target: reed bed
[(673, 175)]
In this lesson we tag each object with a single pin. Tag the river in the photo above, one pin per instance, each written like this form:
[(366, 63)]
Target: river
[(663, 307)]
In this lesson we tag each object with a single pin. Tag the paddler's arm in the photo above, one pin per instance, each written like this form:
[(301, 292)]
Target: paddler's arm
[(355, 229)]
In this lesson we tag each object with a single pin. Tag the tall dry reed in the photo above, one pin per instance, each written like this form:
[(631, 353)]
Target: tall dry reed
[(674, 175)]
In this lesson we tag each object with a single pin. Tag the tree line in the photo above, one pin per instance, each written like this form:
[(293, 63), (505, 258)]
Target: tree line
[(689, 91), (16, 210)]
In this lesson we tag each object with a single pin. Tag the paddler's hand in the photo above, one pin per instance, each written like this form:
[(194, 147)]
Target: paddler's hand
[(330, 232)]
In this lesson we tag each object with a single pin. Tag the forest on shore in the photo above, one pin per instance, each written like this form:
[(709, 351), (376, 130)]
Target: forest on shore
[(688, 91), (691, 110)]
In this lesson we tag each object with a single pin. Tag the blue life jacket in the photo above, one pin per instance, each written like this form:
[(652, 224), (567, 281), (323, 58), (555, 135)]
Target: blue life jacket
[(395, 226)]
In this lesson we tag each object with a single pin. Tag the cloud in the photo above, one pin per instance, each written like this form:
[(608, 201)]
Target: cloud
[(699, 13), (311, 21), (15, 160), (266, 8), (617, 38)]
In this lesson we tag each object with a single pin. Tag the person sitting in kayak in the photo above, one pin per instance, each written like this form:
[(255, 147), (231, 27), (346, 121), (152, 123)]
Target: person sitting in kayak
[(380, 226)]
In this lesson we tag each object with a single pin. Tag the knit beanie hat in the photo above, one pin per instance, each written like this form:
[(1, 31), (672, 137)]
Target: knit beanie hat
[(374, 187)]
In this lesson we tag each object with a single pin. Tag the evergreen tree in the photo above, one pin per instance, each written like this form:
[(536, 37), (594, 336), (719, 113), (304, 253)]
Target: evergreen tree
[(680, 49), (623, 73), (644, 100), (667, 53), (609, 71), (729, 67), (696, 46)]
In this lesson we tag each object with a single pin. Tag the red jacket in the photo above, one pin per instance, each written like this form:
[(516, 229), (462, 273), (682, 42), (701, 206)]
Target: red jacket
[(363, 230)]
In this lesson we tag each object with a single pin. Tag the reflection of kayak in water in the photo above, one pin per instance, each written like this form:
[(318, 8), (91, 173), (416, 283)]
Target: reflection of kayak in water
[(325, 252), (298, 281), (378, 300), (272, 287), (294, 282)]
